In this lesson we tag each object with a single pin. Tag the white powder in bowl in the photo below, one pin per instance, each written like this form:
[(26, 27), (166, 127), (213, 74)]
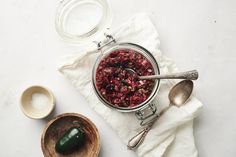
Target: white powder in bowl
[(39, 100)]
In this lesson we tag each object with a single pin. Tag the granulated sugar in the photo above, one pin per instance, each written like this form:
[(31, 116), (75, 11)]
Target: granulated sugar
[(39, 100)]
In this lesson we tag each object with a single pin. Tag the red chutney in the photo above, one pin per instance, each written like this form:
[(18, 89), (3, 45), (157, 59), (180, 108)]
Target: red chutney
[(118, 86)]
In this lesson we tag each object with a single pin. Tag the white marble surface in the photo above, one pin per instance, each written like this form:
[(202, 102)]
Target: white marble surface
[(197, 34)]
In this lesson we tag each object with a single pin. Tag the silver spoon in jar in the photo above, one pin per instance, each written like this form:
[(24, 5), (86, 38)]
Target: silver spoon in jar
[(178, 96), (188, 75)]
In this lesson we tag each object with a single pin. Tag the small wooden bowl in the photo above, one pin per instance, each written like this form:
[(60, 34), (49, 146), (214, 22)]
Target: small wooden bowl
[(59, 125)]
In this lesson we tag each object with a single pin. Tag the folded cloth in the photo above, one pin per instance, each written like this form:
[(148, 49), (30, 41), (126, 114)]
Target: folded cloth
[(172, 134)]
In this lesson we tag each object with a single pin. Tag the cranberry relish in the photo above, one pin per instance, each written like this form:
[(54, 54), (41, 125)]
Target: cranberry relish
[(117, 85)]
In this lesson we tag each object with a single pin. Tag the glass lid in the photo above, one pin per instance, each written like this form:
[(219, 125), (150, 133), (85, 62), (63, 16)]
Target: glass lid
[(81, 21)]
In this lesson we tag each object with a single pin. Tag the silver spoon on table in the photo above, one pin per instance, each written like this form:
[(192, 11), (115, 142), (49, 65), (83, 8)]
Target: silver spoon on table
[(188, 75), (178, 96)]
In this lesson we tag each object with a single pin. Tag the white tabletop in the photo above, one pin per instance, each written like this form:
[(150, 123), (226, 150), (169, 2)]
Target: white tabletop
[(196, 34)]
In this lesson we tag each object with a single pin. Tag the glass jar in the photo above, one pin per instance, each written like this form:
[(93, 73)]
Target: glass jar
[(146, 110), (85, 21)]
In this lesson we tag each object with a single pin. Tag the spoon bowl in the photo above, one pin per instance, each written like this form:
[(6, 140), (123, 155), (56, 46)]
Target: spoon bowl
[(180, 93)]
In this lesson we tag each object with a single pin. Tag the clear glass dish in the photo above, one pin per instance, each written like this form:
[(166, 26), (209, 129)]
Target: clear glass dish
[(81, 21)]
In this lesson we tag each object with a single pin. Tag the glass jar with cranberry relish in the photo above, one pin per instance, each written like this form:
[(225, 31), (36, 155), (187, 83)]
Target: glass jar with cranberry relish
[(119, 89), (85, 21)]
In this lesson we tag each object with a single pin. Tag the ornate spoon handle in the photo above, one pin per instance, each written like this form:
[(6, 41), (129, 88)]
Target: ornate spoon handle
[(136, 140), (188, 75)]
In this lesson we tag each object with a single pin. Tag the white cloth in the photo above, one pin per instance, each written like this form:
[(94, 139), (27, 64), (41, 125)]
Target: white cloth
[(172, 134)]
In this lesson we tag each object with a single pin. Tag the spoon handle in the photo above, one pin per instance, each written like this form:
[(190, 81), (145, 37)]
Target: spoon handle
[(188, 75), (136, 140)]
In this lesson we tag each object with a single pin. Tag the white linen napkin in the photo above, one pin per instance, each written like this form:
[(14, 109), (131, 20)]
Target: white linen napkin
[(172, 134)]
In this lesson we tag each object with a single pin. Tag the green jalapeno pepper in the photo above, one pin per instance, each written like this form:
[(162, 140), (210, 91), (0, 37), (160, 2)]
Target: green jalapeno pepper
[(72, 140)]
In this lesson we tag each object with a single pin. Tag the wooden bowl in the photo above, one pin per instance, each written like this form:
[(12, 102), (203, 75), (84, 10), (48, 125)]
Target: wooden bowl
[(59, 125)]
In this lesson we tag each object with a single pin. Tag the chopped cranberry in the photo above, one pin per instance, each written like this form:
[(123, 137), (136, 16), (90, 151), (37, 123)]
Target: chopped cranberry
[(120, 87)]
